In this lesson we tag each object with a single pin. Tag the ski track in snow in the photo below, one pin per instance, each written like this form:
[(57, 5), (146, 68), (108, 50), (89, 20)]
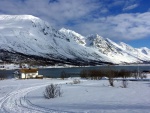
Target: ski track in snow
[(16, 102)]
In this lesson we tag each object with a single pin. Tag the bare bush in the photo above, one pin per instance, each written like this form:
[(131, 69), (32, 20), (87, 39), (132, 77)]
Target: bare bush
[(95, 74), (52, 91), (124, 83), (3, 75), (84, 74), (144, 76), (110, 74), (63, 75), (111, 82), (136, 74), (76, 81), (124, 74)]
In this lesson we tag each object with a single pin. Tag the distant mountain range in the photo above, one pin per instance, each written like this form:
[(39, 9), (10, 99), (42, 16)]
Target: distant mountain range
[(25, 38)]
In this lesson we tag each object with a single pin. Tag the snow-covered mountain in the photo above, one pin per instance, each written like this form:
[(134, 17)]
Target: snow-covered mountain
[(73, 36), (28, 37)]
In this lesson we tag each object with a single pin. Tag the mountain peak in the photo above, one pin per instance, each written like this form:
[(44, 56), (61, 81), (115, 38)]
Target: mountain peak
[(71, 32), (63, 29), (124, 45), (73, 36), (93, 36)]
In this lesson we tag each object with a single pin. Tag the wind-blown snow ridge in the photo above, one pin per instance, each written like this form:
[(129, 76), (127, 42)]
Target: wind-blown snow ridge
[(73, 36), (18, 17), (26, 35)]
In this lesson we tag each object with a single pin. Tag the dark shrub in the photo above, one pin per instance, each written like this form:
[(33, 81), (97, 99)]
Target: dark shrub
[(84, 74), (52, 91)]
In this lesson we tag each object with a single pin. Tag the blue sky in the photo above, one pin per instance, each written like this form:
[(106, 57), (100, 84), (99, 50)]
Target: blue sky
[(118, 20)]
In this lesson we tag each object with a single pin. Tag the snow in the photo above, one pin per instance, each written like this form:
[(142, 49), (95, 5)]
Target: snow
[(90, 96), (32, 36), (73, 36), (9, 66)]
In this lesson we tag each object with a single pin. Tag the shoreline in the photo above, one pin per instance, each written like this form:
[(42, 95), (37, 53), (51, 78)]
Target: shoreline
[(15, 67)]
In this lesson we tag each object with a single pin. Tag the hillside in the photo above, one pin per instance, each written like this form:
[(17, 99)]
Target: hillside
[(25, 38)]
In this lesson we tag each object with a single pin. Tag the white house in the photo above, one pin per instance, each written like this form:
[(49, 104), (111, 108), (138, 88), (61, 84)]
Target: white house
[(28, 73)]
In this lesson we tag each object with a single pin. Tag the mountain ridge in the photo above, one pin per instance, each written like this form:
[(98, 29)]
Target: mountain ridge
[(28, 36)]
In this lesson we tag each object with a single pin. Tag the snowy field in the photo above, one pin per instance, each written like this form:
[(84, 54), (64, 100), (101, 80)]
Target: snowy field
[(90, 96)]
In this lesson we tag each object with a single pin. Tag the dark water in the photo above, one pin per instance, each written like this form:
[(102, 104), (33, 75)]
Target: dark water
[(74, 71)]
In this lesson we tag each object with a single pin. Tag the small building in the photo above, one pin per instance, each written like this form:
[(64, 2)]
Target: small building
[(28, 73)]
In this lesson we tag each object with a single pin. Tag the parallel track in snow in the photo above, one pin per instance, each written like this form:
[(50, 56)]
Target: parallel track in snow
[(16, 102)]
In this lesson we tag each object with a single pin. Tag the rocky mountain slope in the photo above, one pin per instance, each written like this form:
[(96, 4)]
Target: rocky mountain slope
[(28, 38)]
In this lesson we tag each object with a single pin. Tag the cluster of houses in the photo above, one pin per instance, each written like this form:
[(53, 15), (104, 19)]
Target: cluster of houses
[(27, 73)]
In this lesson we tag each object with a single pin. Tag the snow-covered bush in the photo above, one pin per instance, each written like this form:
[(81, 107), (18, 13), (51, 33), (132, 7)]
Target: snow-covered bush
[(52, 91), (143, 75), (124, 83), (76, 81), (111, 81)]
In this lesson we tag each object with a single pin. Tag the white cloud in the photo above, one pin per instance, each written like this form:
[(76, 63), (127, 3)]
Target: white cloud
[(119, 27), (130, 7), (85, 16), (57, 13), (116, 3), (104, 10)]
